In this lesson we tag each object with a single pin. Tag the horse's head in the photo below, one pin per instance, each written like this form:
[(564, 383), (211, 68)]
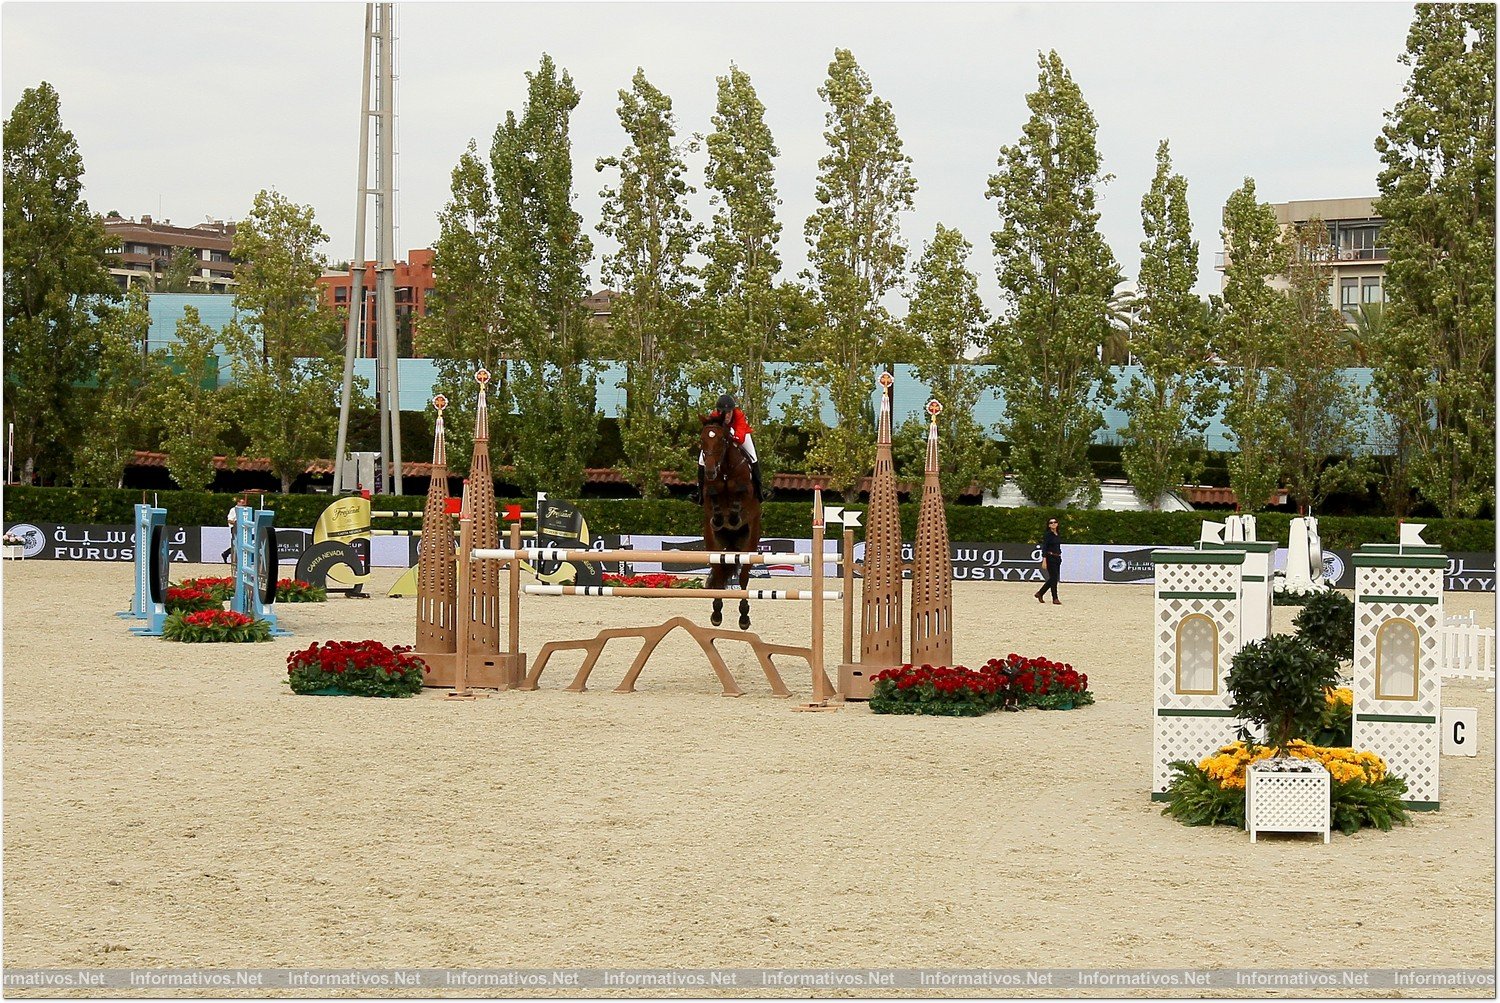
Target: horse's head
[(714, 440)]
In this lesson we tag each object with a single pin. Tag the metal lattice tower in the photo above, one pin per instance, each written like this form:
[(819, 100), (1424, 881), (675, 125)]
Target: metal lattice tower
[(380, 35), (932, 569), (880, 595), (437, 592)]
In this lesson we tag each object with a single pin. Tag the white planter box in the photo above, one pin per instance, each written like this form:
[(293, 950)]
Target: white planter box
[(1281, 801), (15, 553)]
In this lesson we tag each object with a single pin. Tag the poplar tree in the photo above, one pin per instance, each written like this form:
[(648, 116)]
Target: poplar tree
[(465, 323), (57, 285), (1250, 342), (1058, 273), (1435, 364), (743, 310), (646, 214), (1322, 408), (285, 349), (1169, 403), (543, 251), (186, 390), (121, 415), (856, 256), (947, 322)]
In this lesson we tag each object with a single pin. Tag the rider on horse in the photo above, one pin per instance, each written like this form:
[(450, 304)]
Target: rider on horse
[(740, 432)]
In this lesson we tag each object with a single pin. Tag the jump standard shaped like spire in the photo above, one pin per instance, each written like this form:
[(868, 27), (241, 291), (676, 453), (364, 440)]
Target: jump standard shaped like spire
[(437, 591), (932, 568), (880, 645), (479, 507)]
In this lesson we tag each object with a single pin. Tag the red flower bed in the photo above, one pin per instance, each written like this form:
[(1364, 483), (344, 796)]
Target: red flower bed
[(1013, 683), (655, 580), (215, 625), (222, 589), (187, 599), (296, 590), (356, 668)]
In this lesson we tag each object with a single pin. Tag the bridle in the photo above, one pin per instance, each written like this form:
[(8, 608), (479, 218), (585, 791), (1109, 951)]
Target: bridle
[(712, 464)]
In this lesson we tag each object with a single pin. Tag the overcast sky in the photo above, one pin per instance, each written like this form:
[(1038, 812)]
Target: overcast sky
[(184, 111)]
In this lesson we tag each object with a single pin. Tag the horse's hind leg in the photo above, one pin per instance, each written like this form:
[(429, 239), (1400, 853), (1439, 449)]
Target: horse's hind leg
[(745, 603), (717, 617)]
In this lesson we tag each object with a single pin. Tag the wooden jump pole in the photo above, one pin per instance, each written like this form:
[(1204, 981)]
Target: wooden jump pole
[(822, 691), (465, 605), (707, 557), (846, 565), (513, 587), (816, 595)]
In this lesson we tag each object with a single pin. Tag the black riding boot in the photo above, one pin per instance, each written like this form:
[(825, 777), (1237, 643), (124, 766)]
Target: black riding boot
[(755, 479), (697, 494)]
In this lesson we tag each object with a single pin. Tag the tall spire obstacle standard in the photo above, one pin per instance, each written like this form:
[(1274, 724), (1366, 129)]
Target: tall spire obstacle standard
[(880, 605), (475, 614), (932, 568)]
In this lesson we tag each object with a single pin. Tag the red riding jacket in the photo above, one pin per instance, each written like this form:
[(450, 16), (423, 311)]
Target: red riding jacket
[(738, 426)]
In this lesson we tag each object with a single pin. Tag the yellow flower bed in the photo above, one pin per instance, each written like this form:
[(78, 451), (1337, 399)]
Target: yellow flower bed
[(1343, 695), (1227, 766)]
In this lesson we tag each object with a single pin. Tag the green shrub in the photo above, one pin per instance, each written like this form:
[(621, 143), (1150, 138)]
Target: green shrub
[(679, 517), (1195, 798), (1327, 623), (1281, 684)]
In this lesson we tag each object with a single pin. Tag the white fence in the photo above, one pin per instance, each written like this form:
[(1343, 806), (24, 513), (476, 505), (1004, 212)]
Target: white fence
[(1468, 649)]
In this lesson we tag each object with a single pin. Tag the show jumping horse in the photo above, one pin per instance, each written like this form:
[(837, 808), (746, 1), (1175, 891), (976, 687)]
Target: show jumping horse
[(731, 512)]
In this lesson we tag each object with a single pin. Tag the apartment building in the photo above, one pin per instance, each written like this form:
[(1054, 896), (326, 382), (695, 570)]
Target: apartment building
[(1356, 255), (148, 247), (414, 284)]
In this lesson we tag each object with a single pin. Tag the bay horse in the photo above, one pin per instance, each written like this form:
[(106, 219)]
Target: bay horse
[(731, 512)]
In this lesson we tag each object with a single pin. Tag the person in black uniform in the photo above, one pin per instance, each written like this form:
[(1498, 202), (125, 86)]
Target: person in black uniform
[(1051, 562)]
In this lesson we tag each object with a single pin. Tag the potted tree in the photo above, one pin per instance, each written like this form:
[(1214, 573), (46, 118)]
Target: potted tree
[(1280, 684)]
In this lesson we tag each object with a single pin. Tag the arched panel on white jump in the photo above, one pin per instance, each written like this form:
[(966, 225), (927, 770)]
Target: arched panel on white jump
[(1397, 655), (1197, 655)]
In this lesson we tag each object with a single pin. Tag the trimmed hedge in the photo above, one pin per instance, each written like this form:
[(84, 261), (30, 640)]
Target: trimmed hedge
[(676, 517)]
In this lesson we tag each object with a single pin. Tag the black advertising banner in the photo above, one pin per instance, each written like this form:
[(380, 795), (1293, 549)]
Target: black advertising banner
[(50, 542), (1129, 565), (977, 562), (1469, 572), (994, 562)]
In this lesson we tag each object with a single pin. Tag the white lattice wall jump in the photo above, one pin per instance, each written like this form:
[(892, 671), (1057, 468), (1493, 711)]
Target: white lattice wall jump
[(1391, 592), (1190, 726)]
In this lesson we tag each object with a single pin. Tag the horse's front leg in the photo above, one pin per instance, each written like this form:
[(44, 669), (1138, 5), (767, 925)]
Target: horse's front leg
[(716, 576), (745, 603)]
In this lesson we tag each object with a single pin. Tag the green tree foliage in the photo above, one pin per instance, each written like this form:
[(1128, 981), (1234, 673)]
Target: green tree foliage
[(57, 285), (121, 416), (186, 395), (1435, 366), (544, 252), (1169, 404), (465, 325), (1250, 342), (177, 276), (1057, 273), (1279, 683), (744, 312), (947, 323), (646, 214), (1322, 408), (857, 256), (285, 352)]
